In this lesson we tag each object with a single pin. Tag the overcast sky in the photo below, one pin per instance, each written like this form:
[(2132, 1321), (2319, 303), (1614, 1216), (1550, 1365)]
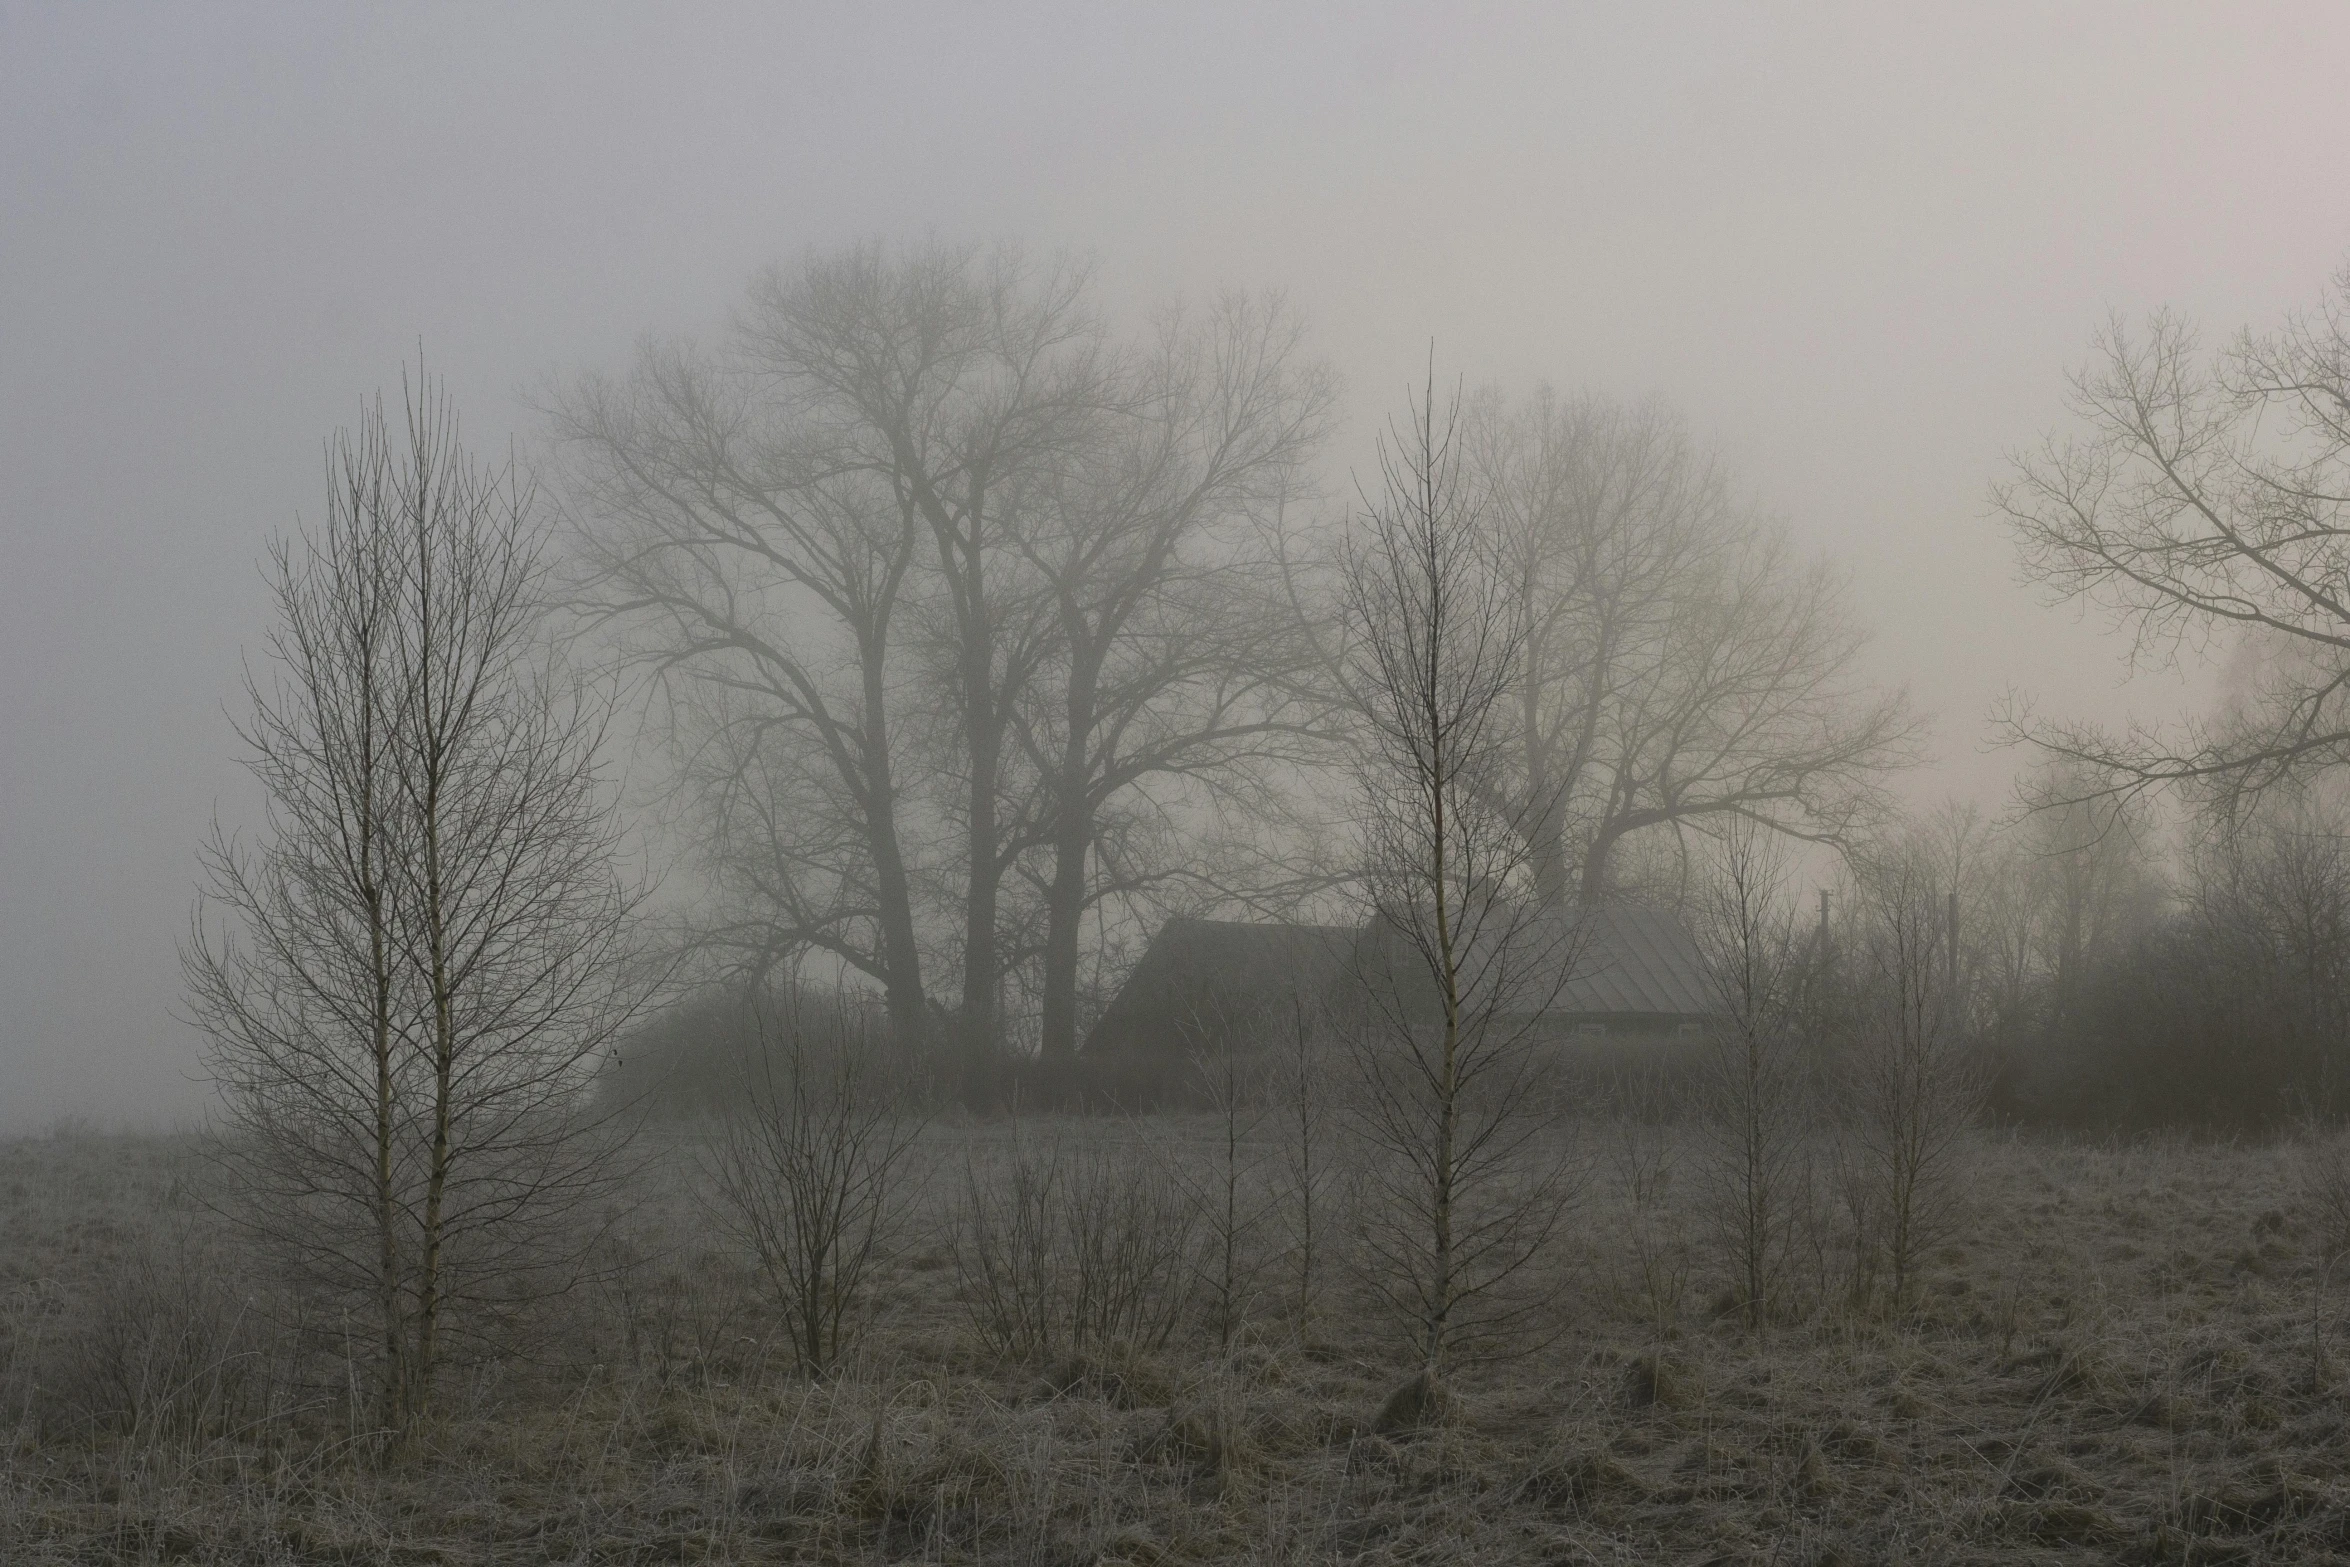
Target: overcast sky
[(1859, 244)]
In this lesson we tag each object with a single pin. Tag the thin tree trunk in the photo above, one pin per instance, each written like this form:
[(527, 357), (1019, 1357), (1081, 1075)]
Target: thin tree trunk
[(981, 982), (433, 725), (909, 1011), (1064, 915), (1546, 847), (1304, 1089), (387, 1210), (1441, 770), (428, 1290), (1072, 841)]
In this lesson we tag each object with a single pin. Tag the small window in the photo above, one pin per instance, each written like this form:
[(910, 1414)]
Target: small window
[(1690, 1030), (1590, 1030)]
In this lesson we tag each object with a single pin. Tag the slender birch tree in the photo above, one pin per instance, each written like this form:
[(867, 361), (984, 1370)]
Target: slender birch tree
[(1467, 1183), (1755, 1109), (408, 978)]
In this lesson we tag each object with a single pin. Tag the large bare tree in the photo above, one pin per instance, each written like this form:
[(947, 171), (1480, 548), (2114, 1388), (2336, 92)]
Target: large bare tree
[(976, 442), (953, 588), (752, 538), (1682, 667), (820, 525), (409, 978), (2202, 496), (1168, 676)]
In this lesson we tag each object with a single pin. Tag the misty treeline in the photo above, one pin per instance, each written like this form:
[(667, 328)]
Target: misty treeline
[(989, 632), (2201, 499), (2153, 935), (984, 633), (2114, 965), (2134, 969)]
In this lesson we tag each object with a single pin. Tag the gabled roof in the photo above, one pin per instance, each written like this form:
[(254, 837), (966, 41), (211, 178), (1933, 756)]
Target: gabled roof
[(1204, 982), (1612, 961), (1213, 977), (1636, 960)]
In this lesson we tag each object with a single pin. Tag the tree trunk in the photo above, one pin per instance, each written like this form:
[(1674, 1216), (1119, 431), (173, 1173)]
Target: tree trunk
[(1064, 914), (981, 981), (1547, 849), (1072, 839), (1447, 1102), (393, 1410), (1593, 886), (901, 959), (1546, 842), (444, 1051), (909, 1009), (387, 1207)]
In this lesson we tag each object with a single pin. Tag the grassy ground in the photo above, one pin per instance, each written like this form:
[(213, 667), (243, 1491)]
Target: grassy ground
[(2124, 1357)]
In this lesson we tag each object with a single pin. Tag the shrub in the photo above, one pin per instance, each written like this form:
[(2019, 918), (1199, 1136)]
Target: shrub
[(163, 1351), (808, 1175), (1075, 1248)]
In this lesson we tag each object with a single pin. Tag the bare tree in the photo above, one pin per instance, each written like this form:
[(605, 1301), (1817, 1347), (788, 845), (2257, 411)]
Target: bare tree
[(2204, 497), (948, 571), (311, 1015), (1235, 1200), (879, 438), (1911, 1082), (1302, 1070), (752, 536), (1681, 667), (1754, 1167), (1086, 1247), (429, 950), (1014, 393), (1168, 676), (1465, 1186), (809, 1171), (2270, 897), (2088, 866)]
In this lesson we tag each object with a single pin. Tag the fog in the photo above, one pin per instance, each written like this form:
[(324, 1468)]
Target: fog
[(1860, 250)]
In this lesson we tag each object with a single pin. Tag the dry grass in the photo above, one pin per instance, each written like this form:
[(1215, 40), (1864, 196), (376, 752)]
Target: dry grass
[(2130, 1358)]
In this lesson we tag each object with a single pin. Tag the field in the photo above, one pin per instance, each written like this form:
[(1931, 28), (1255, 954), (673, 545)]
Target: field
[(2124, 1355)]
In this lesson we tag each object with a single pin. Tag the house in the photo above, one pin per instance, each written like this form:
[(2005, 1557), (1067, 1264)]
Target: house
[(1202, 984), (1635, 970), (1618, 970)]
